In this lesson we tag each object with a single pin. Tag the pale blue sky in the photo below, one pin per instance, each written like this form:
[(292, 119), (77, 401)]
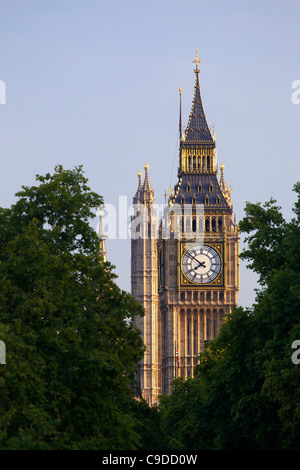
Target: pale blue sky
[(95, 82)]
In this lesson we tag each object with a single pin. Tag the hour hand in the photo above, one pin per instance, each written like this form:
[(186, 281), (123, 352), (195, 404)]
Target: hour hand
[(201, 264)]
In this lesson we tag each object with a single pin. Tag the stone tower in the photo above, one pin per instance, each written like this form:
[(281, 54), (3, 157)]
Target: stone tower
[(197, 258), (144, 286)]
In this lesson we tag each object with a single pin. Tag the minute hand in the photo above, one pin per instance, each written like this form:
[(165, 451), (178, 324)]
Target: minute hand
[(200, 263)]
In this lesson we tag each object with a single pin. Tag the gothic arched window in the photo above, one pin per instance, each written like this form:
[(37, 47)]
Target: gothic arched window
[(182, 224), (200, 224), (208, 163)]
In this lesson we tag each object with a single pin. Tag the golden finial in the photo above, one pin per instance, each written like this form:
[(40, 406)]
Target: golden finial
[(146, 167), (140, 175), (180, 90), (196, 61), (165, 195)]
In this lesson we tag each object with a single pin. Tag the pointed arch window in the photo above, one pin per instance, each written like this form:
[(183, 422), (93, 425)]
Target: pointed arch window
[(194, 201), (182, 224), (218, 200), (213, 224), (199, 188), (190, 165), (207, 227), (194, 224), (188, 188), (201, 224), (220, 224), (206, 200), (194, 163), (208, 163), (211, 188)]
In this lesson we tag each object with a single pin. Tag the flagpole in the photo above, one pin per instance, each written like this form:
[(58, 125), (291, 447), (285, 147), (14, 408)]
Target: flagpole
[(180, 116)]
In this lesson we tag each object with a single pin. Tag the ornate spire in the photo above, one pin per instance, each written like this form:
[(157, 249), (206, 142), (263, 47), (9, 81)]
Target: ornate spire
[(224, 188), (197, 129), (140, 175), (101, 236), (222, 179), (147, 186), (196, 61)]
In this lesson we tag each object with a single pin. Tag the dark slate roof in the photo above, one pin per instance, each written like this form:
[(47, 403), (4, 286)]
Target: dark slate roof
[(197, 129), (205, 180)]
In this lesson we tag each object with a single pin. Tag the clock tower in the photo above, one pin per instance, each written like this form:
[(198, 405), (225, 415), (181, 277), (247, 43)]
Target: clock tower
[(197, 256)]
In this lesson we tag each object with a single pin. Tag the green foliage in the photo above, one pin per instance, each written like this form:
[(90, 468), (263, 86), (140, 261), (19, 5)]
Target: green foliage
[(245, 394), (148, 425), (71, 345)]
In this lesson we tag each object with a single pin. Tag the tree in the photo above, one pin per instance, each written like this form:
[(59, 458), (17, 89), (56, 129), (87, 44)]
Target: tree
[(71, 345)]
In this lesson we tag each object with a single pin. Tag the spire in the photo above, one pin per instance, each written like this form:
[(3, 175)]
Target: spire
[(197, 129), (140, 175), (180, 117), (144, 193), (224, 188), (147, 186), (101, 236), (223, 185), (196, 61)]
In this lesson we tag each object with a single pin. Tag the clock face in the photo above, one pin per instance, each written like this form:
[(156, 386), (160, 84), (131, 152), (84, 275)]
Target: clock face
[(201, 264)]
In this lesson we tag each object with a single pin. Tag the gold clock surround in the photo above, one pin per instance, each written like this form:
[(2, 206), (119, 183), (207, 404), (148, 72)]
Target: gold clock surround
[(184, 282)]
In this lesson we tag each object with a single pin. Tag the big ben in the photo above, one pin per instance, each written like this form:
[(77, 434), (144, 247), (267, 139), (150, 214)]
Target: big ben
[(197, 271)]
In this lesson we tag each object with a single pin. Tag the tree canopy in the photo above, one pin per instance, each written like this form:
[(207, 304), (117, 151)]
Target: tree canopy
[(71, 345)]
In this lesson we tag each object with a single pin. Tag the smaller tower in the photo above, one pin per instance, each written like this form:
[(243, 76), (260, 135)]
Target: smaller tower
[(144, 286)]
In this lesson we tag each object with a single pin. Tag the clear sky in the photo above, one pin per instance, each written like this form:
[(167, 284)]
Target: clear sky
[(95, 82)]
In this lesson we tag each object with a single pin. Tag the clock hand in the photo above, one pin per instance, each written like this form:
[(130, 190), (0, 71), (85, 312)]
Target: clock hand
[(193, 257), (201, 263)]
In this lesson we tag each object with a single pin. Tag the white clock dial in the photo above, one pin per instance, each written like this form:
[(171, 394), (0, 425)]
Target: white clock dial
[(201, 264)]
